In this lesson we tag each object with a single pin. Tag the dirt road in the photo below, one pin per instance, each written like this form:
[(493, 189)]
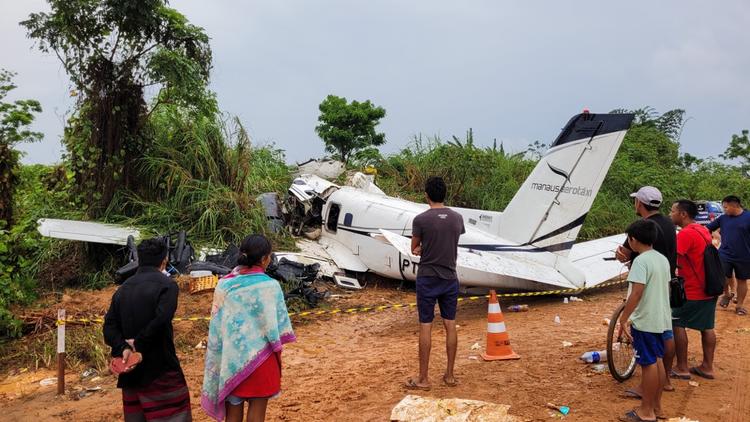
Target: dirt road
[(352, 367)]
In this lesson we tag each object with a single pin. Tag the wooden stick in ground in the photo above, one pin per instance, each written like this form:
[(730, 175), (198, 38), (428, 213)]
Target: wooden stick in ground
[(61, 351)]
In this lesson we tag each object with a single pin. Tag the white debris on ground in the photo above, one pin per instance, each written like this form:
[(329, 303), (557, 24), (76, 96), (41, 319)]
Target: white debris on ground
[(312, 252), (427, 409)]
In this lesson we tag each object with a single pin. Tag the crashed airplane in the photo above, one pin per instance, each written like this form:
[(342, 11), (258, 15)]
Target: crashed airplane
[(529, 246)]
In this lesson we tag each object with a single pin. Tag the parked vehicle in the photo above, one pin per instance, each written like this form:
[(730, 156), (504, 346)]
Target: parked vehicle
[(708, 211)]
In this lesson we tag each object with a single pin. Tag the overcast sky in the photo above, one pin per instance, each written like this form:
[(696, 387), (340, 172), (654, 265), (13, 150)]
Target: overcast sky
[(515, 71)]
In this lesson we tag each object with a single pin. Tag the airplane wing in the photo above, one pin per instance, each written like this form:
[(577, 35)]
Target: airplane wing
[(485, 269), (590, 258), (86, 231)]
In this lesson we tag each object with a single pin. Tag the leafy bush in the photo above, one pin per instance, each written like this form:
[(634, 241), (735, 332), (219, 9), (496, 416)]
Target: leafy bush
[(201, 176)]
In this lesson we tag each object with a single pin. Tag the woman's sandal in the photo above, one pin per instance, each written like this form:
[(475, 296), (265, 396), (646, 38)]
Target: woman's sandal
[(741, 311)]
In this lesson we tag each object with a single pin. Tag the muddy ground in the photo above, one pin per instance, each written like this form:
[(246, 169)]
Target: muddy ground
[(352, 367)]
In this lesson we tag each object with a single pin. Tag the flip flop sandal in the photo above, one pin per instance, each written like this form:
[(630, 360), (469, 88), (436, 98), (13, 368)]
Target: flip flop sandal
[(412, 385), (697, 371), (673, 374), (631, 394), (632, 416), (741, 311), (724, 301), (450, 384)]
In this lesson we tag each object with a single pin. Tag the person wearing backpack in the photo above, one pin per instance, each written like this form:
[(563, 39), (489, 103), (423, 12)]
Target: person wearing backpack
[(699, 312), (734, 249)]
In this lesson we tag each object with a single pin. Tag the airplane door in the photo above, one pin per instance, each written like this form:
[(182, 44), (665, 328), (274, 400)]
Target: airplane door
[(407, 266)]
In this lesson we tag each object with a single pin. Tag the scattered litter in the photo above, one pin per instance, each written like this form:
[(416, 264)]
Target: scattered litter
[(599, 368), (557, 319), (475, 346), (518, 308), (473, 358), (693, 383), (18, 371), (743, 330), (97, 388), (567, 344), (201, 344), (565, 300), (681, 419), (594, 356), (606, 321), (575, 299), (562, 409), (91, 372), (48, 381), (458, 326), (95, 379)]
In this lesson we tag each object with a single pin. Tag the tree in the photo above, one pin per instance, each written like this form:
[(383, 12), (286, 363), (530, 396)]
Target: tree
[(14, 118), (346, 128), (112, 51), (669, 123), (739, 148), (536, 150)]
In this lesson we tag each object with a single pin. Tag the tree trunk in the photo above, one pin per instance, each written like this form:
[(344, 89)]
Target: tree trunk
[(106, 144), (8, 180)]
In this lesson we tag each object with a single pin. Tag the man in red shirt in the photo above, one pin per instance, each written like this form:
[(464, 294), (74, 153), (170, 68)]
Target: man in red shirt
[(699, 312)]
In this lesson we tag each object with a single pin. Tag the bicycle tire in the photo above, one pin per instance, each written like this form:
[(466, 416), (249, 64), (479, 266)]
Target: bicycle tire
[(620, 365)]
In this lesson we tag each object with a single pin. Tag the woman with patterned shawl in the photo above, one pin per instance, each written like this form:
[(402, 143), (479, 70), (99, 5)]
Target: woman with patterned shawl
[(249, 325)]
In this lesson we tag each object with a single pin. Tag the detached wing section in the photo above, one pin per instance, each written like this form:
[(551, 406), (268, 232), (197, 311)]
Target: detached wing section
[(487, 269), (86, 231)]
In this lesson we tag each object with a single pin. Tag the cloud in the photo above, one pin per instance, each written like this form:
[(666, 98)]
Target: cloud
[(511, 71)]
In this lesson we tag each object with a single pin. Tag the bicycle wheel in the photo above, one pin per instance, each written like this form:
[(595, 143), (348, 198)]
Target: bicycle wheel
[(620, 351)]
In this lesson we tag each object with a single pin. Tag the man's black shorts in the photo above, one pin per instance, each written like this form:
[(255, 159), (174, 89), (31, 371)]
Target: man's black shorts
[(740, 270), (440, 290)]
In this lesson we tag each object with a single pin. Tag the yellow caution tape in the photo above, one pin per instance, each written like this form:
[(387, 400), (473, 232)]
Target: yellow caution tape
[(100, 320)]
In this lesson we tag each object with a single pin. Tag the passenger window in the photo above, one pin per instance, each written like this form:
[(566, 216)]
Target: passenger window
[(348, 219), (332, 222)]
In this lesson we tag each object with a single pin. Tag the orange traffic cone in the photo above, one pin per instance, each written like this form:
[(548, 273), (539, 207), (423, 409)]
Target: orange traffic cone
[(498, 342)]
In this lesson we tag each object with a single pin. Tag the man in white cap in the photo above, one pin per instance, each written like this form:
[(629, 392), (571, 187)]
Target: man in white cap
[(647, 201)]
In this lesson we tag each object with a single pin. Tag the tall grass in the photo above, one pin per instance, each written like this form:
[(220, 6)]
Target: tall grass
[(487, 178), (202, 176)]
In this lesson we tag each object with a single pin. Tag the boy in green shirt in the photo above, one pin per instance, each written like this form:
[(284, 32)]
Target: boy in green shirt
[(646, 316)]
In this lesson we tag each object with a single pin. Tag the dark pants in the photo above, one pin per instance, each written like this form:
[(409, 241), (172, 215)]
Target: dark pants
[(440, 290)]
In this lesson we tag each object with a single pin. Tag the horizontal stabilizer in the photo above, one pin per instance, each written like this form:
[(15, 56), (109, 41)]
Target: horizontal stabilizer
[(596, 259)]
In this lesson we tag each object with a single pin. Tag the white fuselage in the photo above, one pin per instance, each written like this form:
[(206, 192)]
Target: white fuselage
[(361, 215)]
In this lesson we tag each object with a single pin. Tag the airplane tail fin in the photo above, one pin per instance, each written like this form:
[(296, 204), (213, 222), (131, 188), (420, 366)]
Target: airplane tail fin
[(548, 210)]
